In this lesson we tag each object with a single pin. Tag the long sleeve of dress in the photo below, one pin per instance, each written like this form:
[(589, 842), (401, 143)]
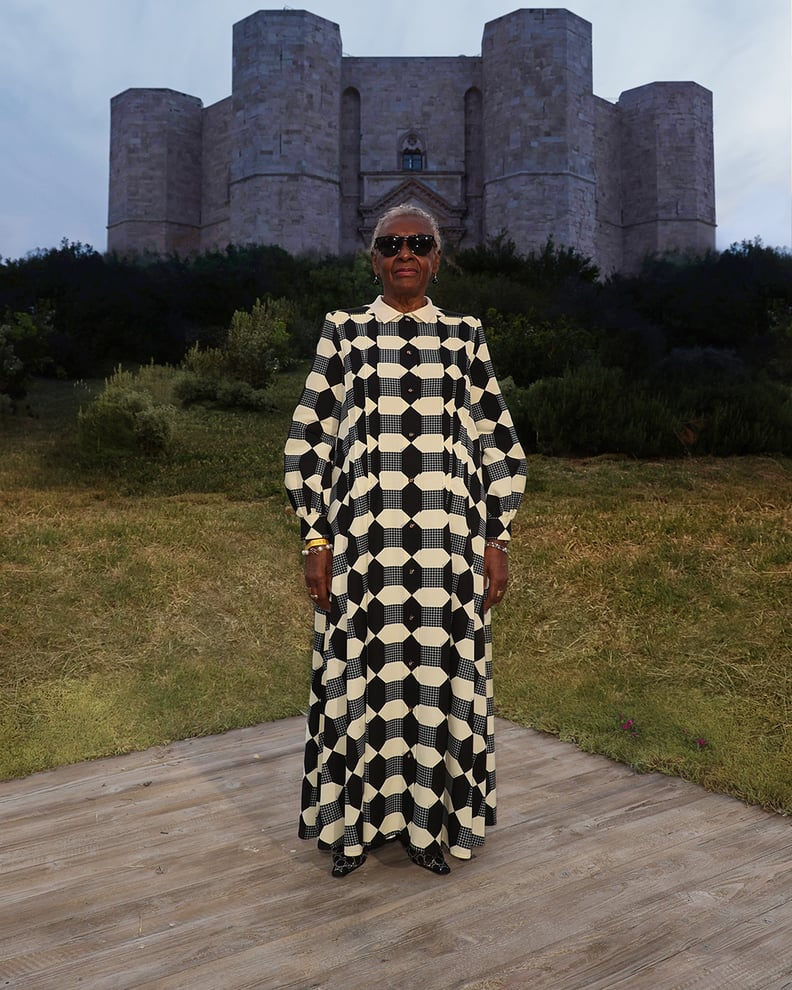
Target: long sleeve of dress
[(309, 453), (503, 459)]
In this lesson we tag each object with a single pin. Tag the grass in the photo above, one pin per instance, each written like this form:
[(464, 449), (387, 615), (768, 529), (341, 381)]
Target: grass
[(657, 594), (648, 616), (158, 600)]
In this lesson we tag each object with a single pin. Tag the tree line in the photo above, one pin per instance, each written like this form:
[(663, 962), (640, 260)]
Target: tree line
[(691, 354)]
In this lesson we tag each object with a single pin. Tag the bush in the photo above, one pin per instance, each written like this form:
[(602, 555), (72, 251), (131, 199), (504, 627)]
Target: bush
[(12, 371), (516, 398), (189, 387), (209, 363), (233, 393), (746, 417), (725, 407), (257, 346), (123, 420), (593, 410), (24, 340), (230, 393), (158, 380), (528, 350)]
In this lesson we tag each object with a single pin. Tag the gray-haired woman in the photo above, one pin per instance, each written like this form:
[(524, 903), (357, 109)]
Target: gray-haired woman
[(405, 470)]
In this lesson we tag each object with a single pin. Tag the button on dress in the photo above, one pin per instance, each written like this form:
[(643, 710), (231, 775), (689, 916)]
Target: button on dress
[(403, 454)]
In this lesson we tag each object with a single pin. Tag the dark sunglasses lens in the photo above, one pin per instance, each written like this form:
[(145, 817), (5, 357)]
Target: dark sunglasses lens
[(420, 243), (390, 245)]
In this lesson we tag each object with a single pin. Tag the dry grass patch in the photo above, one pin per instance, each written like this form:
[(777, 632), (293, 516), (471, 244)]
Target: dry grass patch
[(657, 594), (140, 620), (149, 601), (648, 616)]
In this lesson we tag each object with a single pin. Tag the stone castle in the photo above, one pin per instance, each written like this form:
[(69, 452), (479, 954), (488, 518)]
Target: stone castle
[(313, 145)]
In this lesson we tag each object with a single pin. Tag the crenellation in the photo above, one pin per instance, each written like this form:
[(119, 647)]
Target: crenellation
[(311, 146)]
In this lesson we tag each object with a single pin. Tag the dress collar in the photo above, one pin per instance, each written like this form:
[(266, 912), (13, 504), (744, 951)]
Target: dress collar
[(428, 313)]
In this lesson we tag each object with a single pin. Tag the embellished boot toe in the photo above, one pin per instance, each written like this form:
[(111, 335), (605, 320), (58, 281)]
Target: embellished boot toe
[(431, 859), (343, 864)]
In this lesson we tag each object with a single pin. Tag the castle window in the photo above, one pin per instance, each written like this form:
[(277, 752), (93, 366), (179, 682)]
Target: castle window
[(412, 160), (412, 152)]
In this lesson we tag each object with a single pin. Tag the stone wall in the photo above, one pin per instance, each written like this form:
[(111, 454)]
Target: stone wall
[(608, 198), (285, 166), (417, 104), (155, 172), (312, 146), (538, 129), (217, 151), (667, 169)]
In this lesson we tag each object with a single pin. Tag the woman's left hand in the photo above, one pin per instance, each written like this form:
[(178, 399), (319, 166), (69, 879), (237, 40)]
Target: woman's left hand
[(496, 576), (319, 578)]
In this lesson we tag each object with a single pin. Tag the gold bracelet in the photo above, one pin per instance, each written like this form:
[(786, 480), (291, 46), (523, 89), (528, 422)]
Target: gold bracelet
[(320, 542), (317, 549)]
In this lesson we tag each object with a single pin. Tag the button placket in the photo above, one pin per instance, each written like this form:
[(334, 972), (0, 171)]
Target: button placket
[(410, 388)]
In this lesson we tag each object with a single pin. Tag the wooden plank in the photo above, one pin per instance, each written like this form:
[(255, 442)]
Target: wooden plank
[(179, 867)]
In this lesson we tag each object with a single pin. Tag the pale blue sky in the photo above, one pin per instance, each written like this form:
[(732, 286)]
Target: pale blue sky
[(62, 60)]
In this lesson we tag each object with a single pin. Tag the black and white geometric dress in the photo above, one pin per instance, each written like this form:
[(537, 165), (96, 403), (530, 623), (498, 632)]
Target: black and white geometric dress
[(403, 453)]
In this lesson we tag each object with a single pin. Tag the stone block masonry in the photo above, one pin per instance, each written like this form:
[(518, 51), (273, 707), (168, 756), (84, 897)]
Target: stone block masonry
[(311, 146)]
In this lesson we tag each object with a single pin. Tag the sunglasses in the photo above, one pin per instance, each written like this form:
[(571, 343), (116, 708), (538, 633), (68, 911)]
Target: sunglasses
[(390, 245)]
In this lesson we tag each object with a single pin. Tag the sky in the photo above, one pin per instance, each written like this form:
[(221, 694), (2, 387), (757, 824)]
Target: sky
[(62, 60)]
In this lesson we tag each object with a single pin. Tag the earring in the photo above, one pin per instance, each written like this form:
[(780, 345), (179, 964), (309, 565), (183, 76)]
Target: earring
[(435, 279), (375, 279)]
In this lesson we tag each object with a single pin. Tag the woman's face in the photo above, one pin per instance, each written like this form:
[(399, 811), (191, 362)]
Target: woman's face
[(406, 275)]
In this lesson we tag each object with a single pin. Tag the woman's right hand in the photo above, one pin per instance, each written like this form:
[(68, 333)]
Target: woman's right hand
[(318, 577)]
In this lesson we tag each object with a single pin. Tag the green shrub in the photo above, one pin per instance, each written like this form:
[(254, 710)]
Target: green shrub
[(124, 419), (234, 393), (12, 371), (516, 399), (230, 393), (529, 349), (158, 380), (593, 410), (237, 374), (748, 417), (257, 346), (209, 362), (189, 387), (24, 340)]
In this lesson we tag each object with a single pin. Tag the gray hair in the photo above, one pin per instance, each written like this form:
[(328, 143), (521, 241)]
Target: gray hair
[(405, 210)]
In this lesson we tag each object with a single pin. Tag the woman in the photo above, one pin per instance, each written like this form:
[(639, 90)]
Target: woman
[(404, 468)]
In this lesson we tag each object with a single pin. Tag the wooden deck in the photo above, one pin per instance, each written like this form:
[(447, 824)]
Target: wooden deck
[(179, 868)]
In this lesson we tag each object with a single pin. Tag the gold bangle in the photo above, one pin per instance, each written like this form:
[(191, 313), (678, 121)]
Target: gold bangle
[(318, 549), (321, 542)]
